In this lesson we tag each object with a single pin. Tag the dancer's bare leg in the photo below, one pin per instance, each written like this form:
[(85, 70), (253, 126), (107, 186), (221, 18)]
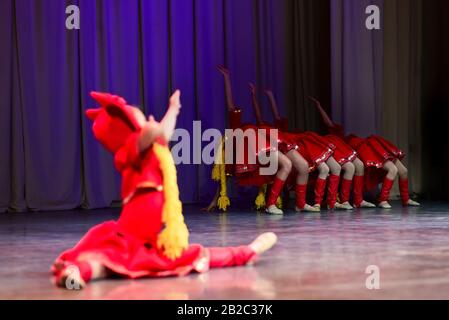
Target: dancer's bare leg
[(333, 183), (285, 166), (214, 202), (302, 167), (392, 172), (403, 185), (359, 174), (349, 170)]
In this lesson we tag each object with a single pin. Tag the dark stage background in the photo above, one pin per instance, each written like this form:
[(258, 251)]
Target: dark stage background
[(383, 81)]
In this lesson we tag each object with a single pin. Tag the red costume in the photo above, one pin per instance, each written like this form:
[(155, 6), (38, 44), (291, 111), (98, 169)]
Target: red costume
[(248, 173), (374, 151), (136, 245)]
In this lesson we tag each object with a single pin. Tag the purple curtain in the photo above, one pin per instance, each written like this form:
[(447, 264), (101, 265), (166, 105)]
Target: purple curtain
[(357, 65), (142, 50)]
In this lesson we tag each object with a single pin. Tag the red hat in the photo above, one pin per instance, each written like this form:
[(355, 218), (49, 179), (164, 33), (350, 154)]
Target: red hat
[(114, 121)]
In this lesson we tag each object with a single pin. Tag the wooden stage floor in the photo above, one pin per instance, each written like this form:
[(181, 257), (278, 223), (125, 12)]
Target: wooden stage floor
[(319, 256)]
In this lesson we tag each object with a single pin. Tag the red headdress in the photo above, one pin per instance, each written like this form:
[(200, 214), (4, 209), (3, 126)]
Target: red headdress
[(114, 121)]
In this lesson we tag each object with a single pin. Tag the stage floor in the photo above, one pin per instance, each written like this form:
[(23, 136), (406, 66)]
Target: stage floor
[(319, 256)]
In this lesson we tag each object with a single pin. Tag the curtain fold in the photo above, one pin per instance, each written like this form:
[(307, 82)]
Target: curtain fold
[(357, 72), (401, 107), (142, 50)]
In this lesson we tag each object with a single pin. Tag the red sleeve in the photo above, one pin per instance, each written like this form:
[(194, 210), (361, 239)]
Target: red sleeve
[(129, 154)]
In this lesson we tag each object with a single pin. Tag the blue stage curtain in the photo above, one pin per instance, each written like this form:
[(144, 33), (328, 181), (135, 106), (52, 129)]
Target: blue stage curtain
[(141, 50)]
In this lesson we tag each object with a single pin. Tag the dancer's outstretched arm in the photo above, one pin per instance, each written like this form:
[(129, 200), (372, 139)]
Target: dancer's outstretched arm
[(255, 103), (228, 87), (273, 104), (327, 120), (153, 129), (168, 122)]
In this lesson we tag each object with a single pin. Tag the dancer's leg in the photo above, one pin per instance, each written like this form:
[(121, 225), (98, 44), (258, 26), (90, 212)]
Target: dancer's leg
[(237, 256), (302, 167), (323, 172), (358, 181), (285, 166), (349, 170), (403, 185), (387, 184), (334, 180)]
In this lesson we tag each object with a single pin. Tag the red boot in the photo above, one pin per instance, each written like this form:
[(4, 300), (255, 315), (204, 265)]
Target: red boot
[(385, 191), (300, 191), (319, 190), (275, 191), (345, 190), (403, 189), (332, 190), (358, 190)]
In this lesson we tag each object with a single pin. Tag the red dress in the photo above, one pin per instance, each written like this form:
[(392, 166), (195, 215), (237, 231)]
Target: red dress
[(343, 153), (247, 171), (314, 148), (373, 151)]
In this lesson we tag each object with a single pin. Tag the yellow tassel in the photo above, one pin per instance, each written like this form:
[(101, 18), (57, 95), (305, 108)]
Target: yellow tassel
[(279, 202), (223, 200), (216, 172), (260, 199), (174, 238), (223, 203)]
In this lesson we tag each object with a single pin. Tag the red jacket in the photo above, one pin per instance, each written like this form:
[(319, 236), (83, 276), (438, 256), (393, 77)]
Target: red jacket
[(138, 169)]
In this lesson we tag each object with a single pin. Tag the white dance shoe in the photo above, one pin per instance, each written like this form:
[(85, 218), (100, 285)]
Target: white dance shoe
[(412, 203), (366, 204), (344, 206), (274, 210), (263, 242), (307, 208), (384, 205)]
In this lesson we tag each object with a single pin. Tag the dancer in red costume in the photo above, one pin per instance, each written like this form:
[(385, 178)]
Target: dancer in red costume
[(381, 158), (288, 146), (150, 239), (319, 154), (354, 172), (251, 172)]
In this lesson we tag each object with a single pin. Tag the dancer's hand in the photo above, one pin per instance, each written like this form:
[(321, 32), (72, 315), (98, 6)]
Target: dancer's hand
[(223, 70), (252, 88), (168, 123)]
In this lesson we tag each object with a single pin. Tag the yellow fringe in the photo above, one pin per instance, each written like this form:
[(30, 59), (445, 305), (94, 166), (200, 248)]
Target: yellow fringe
[(260, 199), (175, 236), (220, 171)]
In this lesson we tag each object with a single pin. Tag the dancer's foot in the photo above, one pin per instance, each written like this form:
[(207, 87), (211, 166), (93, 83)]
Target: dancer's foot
[(366, 204), (274, 210), (384, 205), (307, 208), (317, 206), (70, 278), (344, 206), (412, 203), (263, 242)]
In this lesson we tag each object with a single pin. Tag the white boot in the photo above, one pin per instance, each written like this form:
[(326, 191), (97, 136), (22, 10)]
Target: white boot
[(274, 210)]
